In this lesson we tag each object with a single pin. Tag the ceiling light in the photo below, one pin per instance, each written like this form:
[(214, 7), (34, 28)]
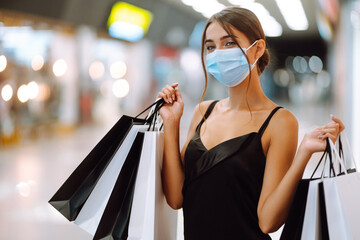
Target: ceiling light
[(271, 27), (207, 7), (294, 14), (240, 2)]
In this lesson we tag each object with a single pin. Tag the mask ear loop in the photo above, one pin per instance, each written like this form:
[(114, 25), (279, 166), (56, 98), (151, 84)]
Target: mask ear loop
[(245, 50), (251, 45)]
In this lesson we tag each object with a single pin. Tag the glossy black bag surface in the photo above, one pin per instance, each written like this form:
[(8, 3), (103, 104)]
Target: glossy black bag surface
[(115, 219), (71, 196), (294, 222)]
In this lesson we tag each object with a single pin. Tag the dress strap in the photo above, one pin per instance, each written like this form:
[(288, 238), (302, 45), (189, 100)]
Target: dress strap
[(207, 114), (265, 124)]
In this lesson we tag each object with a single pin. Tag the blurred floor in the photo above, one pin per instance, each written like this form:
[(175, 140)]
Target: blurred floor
[(30, 175), (32, 172)]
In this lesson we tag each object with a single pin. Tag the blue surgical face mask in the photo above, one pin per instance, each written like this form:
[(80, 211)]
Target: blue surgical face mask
[(229, 66)]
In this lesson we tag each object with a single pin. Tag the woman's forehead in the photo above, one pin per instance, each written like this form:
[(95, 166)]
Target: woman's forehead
[(216, 31)]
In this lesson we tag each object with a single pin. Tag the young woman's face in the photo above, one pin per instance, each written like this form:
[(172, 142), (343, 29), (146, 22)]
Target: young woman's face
[(218, 38)]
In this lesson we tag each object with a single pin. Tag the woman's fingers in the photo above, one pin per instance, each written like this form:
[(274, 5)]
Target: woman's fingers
[(161, 95), (338, 121), (174, 85), (169, 93), (328, 133), (178, 95)]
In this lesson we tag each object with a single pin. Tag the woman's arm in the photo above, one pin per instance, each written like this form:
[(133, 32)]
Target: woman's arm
[(283, 170), (172, 169), (173, 162)]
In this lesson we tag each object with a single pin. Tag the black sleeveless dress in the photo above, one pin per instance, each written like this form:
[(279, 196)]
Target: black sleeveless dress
[(222, 187)]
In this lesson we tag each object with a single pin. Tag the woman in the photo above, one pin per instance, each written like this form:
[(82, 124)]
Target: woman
[(238, 170)]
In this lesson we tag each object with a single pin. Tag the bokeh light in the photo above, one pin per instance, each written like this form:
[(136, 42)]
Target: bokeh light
[(60, 68), (118, 69), (23, 93), (3, 63), (315, 64), (96, 70), (33, 90), (25, 188), (120, 88), (7, 92), (37, 62), (44, 92), (299, 64), (283, 77)]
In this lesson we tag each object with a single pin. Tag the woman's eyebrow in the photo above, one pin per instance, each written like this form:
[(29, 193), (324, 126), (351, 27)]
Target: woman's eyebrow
[(222, 38), (228, 36)]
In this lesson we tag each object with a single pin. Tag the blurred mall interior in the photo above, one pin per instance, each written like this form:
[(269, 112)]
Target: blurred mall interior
[(69, 69)]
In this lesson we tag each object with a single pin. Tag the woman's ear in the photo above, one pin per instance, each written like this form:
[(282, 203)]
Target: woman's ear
[(260, 48)]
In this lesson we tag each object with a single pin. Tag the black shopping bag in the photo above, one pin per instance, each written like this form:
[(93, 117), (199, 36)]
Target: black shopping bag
[(294, 222), (71, 196), (293, 228), (115, 219)]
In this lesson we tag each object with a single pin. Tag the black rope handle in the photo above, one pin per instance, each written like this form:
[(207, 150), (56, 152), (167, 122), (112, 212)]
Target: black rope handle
[(153, 117), (341, 154), (160, 102), (327, 152)]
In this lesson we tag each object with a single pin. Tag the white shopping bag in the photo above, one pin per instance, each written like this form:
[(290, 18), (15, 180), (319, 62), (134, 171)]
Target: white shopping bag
[(348, 190), (338, 227), (342, 194), (91, 213), (311, 224), (151, 218)]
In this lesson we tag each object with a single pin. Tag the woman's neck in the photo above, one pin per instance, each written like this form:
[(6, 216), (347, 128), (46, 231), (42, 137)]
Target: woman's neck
[(247, 94)]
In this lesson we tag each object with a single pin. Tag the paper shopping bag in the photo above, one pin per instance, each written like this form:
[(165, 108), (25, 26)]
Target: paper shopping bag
[(91, 212), (311, 224), (342, 195), (304, 202), (294, 222), (71, 196), (151, 218), (115, 219)]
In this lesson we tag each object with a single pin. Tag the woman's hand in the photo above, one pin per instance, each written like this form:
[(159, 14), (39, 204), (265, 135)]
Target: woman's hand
[(315, 140), (174, 105)]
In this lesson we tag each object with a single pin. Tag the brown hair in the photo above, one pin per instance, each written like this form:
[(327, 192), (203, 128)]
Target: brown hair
[(246, 22)]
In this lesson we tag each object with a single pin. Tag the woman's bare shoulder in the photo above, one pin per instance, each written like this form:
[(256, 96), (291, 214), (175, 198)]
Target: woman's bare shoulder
[(284, 119)]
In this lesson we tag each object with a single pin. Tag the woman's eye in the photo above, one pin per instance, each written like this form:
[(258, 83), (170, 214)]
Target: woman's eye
[(229, 44), (209, 48)]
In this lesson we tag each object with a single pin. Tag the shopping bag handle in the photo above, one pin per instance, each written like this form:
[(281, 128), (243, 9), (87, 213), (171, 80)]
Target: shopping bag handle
[(337, 156), (343, 136), (157, 104), (326, 155)]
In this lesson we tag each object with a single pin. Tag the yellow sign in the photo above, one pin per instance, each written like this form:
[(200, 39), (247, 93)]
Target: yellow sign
[(129, 14)]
